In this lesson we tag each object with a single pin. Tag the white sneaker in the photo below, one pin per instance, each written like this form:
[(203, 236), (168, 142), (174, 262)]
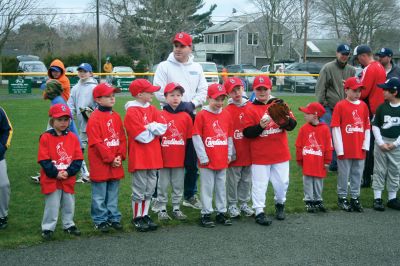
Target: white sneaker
[(233, 211), (163, 216), (246, 210), (36, 178), (193, 202), (179, 215), (82, 178)]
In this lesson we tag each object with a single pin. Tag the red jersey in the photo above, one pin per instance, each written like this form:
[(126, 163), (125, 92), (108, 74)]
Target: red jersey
[(173, 142), (142, 156), (314, 149), (107, 140), (271, 146), (214, 130), (353, 120), (61, 150), (242, 144), (372, 75)]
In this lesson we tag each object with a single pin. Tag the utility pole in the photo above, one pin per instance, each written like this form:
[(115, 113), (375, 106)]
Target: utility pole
[(98, 38), (305, 30)]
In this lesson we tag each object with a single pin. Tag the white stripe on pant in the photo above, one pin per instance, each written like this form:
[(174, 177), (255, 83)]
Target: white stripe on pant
[(175, 177), (212, 180), (53, 202), (4, 189), (278, 174)]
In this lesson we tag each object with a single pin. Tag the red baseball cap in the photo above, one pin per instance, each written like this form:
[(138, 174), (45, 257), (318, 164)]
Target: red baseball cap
[(313, 108), (215, 90), (104, 89), (173, 86), (183, 38), (231, 83), (262, 81), (142, 85), (59, 110), (353, 83)]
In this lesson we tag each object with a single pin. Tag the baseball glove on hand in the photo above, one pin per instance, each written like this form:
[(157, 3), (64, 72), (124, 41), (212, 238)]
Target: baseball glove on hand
[(86, 112), (279, 112)]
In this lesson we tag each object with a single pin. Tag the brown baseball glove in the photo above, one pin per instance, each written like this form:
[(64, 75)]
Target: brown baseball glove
[(86, 112), (279, 112)]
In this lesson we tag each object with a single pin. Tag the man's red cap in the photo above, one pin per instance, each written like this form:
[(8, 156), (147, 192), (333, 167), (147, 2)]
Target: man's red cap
[(183, 38)]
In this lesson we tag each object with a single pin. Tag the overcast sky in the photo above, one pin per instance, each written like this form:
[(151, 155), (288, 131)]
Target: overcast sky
[(223, 10)]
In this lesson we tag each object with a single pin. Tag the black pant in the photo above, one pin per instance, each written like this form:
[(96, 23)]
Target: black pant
[(191, 171), (369, 164)]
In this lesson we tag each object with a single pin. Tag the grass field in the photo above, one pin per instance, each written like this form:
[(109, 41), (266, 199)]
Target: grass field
[(29, 118)]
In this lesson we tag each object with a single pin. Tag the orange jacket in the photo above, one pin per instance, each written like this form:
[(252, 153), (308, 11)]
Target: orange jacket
[(63, 79)]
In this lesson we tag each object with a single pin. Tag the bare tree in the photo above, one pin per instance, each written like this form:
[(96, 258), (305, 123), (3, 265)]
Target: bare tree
[(275, 20), (359, 19), (12, 12)]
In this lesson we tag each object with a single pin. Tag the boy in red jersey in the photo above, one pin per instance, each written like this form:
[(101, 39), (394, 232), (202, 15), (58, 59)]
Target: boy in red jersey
[(269, 150), (107, 150), (351, 135), (173, 144), (60, 157), (212, 139), (238, 175), (144, 127), (313, 154)]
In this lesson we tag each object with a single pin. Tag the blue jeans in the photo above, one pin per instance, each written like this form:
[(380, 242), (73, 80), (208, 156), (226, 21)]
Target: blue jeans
[(105, 202), (327, 118)]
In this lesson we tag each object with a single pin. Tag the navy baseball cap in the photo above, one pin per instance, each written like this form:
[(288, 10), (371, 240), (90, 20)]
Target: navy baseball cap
[(385, 52), (343, 49), (391, 84), (56, 68), (85, 66), (362, 49)]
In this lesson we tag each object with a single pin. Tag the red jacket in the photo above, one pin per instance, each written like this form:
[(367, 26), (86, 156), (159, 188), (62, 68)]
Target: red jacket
[(372, 75), (62, 151), (107, 140)]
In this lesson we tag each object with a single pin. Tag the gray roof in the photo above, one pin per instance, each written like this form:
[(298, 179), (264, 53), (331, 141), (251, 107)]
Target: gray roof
[(232, 23), (318, 47)]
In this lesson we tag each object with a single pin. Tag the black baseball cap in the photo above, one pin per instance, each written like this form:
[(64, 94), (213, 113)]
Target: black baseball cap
[(343, 49), (362, 49), (385, 52), (392, 84)]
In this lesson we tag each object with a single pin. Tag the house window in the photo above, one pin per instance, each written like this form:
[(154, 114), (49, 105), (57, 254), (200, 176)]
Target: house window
[(277, 39), (252, 38), (216, 38), (229, 38), (222, 38)]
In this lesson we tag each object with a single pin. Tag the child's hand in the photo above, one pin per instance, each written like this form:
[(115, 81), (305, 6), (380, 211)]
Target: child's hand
[(385, 147), (326, 166), (264, 122), (116, 162), (62, 175), (204, 163)]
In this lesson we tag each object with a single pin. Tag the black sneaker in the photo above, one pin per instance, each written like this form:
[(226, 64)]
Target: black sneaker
[(310, 206), (378, 205), (73, 230), (343, 204), (3, 222), (221, 218), (205, 221), (319, 206), (332, 168), (280, 211), (394, 204), (262, 219), (116, 225), (150, 223), (47, 234), (140, 225), (102, 227), (356, 205)]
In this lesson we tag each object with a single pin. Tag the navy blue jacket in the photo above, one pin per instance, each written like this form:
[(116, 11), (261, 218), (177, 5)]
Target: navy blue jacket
[(5, 133)]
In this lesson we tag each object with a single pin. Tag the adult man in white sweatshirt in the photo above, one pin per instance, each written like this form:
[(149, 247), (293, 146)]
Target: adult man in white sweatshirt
[(180, 68)]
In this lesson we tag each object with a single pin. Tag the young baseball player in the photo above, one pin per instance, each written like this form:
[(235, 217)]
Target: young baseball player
[(60, 157), (173, 144), (272, 163), (81, 100), (386, 129), (6, 132), (212, 139), (313, 154), (238, 175), (350, 132), (107, 150), (144, 127), (57, 71)]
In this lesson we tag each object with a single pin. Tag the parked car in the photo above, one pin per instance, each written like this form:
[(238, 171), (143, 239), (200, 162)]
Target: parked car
[(124, 77), (72, 69), (311, 67), (245, 68), (32, 64), (299, 83), (210, 70)]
